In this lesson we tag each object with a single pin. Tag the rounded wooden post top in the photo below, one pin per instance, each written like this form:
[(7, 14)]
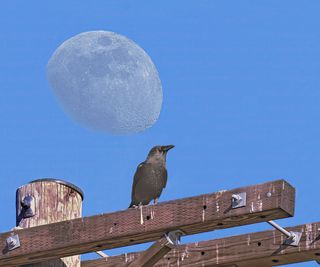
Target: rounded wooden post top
[(45, 201), (59, 181)]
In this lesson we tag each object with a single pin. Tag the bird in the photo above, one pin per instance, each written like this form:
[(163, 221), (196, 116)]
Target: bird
[(150, 177)]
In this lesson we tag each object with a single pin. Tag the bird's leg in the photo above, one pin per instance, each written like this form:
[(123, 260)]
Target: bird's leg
[(155, 201), (141, 213)]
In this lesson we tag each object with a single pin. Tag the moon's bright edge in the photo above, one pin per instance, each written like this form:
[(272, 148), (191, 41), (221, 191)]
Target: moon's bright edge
[(106, 82)]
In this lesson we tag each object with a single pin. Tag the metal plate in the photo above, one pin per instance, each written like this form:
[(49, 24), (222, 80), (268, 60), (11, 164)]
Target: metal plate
[(13, 242), (239, 200), (295, 241), (28, 207)]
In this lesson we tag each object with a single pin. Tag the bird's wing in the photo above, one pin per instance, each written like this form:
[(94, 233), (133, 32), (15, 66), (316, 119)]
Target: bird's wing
[(137, 176), (143, 170), (165, 177)]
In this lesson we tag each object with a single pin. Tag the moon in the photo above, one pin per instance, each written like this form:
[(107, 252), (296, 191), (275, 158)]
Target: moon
[(106, 82)]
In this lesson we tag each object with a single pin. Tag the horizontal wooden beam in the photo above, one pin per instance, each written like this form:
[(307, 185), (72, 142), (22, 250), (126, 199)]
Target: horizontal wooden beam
[(249, 250), (272, 200)]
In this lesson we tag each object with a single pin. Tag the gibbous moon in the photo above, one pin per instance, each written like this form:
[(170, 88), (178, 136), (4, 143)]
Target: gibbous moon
[(105, 81)]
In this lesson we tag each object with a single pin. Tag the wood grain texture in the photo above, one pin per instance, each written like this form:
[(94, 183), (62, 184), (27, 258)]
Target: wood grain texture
[(153, 254), (198, 214), (261, 249), (54, 202)]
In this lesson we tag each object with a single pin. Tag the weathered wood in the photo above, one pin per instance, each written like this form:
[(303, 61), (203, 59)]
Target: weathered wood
[(153, 254), (54, 201), (263, 249), (198, 214)]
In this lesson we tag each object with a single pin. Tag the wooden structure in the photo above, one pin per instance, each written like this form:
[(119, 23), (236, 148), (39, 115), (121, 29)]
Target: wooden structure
[(48, 201), (248, 250), (198, 214), (162, 223)]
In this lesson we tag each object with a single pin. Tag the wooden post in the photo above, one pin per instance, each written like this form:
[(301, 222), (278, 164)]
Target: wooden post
[(47, 201)]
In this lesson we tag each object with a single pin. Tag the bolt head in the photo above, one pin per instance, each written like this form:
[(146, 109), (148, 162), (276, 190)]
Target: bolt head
[(26, 202), (11, 242), (236, 197)]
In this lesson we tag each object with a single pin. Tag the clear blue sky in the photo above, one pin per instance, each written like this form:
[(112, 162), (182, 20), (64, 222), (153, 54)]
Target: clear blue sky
[(241, 101)]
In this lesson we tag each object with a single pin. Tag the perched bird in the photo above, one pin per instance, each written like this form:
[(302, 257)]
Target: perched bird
[(150, 177)]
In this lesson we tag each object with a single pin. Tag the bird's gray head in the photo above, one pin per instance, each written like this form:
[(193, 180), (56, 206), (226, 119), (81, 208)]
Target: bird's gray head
[(159, 153)]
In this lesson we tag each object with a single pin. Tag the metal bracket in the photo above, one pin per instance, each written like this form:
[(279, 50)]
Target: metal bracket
[(12, 242), (174, 237), (293, 238), (27, 205), (239, 200)]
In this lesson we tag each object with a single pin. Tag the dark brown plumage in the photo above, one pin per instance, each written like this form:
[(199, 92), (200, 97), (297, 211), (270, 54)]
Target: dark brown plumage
[(150, 177)]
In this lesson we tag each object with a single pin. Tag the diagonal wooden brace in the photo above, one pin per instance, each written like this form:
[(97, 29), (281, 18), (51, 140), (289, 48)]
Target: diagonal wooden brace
[(160, 248)]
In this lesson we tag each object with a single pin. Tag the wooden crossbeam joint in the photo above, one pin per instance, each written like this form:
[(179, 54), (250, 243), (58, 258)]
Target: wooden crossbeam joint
[(159, 249)]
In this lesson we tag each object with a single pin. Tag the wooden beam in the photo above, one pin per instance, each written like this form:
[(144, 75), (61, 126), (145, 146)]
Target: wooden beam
[(268, 201), (250, 250), (153, 254)]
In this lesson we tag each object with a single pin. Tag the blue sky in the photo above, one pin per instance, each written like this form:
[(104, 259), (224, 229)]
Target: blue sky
[(241, 101)]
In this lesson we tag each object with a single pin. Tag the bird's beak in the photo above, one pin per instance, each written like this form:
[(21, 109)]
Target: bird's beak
[(167, 148)]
